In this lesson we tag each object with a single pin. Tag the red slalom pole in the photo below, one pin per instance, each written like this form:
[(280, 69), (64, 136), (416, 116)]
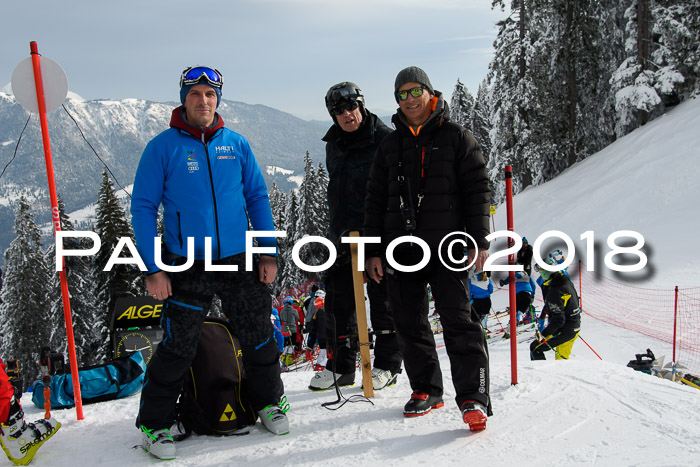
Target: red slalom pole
[(511, 280), (56, 221)]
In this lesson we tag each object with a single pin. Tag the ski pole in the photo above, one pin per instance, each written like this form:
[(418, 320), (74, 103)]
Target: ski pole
[(495, 313), (538, 333), (584, 341)]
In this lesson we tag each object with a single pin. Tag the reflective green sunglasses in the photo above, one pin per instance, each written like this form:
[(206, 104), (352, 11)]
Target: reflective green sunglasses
[(415, 92)]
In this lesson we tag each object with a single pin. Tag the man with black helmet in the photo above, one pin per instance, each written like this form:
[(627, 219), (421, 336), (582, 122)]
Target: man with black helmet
[(429, 181), (350, 146), (210, 186)]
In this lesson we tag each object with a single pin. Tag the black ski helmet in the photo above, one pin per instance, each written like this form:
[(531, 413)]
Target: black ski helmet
[(343, 93)]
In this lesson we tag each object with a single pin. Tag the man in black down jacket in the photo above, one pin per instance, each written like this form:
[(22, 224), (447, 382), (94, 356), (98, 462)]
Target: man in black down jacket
[(350, 146), (429, 180)]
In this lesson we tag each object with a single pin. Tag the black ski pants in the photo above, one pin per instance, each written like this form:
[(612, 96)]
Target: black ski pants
[(341, 323), (464, 338), (481, 306), (246, 303), (560, 344)]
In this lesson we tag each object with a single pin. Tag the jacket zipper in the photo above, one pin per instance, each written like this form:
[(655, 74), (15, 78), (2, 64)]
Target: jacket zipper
[(179, 229), (213, 195)]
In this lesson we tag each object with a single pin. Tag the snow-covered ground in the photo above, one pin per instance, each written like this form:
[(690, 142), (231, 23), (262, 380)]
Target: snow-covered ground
[(581, 411)]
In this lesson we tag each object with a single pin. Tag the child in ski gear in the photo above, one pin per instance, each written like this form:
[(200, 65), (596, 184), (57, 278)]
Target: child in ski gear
[(277, 324), (480, 290), (317, 332), (429, 180), (350, 146), (556, 257), (524, 294), (524, 257), (211, 187), (20, 440), (562, 304), (290, 316)]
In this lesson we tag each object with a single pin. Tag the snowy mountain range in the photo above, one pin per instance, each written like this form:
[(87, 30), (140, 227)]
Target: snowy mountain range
[(118, 131)]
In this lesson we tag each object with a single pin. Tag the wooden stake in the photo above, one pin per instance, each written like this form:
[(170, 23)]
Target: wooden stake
[(361, 311)]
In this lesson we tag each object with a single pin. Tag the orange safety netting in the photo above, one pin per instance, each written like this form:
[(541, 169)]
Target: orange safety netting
[(658, 313)]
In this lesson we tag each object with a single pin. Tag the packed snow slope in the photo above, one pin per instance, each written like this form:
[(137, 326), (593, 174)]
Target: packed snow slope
[(647, 181), (582, 411)]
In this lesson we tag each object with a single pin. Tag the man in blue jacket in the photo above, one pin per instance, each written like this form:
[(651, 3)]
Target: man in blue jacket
[(210, 186)]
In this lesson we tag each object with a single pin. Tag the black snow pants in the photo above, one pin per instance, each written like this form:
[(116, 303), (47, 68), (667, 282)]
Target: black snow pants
[(465, 342), (341, 323), (246, 302)]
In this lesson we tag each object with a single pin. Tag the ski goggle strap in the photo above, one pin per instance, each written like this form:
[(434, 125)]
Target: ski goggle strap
[(193, 75)]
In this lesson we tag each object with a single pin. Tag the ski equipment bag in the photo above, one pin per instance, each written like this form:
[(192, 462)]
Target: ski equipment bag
[(119, 378), (643, 362), (213, 400)]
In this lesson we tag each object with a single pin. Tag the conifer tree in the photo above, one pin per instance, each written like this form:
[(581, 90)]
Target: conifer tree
[(278, 206), (549, 88), (462, 106), (291, 275), (323, 218), (123, 279), (480, 123), (662, 60), (514, 99), (24, 312), (312, 195)]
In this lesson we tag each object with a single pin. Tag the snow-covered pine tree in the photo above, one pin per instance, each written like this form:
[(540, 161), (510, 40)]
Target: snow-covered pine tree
[(676, 53), (549, 93), (323, 217), (80, 273), (24, 312), (278, 206), (517, 99), (123, 279), (291, 275), (662, 60), (312, 197), (461, 106), (480, 123)]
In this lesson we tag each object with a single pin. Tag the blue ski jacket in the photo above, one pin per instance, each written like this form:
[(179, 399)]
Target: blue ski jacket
[(209, 184), (523, 283), (480, 289)]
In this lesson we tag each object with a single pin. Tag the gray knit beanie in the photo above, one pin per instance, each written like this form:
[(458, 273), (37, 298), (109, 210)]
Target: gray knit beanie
[(413, 74)]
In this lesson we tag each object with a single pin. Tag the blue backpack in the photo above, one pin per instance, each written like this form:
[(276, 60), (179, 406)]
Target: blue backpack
[(119, 378)]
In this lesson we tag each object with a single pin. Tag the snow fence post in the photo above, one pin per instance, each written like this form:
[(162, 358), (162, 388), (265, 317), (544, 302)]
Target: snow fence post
[(511, 280), (675, 325), (580, 293)]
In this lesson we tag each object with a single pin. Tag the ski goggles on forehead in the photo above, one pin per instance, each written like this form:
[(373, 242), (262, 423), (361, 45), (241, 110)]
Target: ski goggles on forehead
[(194, 74)]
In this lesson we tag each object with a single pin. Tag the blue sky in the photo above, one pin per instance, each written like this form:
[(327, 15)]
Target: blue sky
[(280, 53)]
